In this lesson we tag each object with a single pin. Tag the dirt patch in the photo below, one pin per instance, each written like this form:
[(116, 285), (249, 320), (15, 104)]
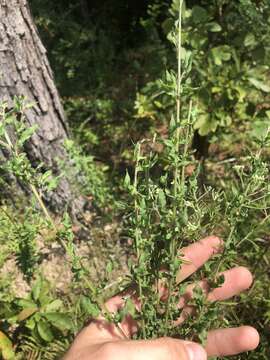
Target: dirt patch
[(100, 246)]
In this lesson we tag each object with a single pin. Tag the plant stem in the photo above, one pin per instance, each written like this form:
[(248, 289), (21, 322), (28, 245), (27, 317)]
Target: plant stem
[(186, 147), (137, 232), (176, 164), (41, 203)]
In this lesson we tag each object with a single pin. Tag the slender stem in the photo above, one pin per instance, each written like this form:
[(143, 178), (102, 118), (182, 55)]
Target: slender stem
[(186, 148), (135, 186), (41, 203), (176, 165), (253, 230), (137, 234)]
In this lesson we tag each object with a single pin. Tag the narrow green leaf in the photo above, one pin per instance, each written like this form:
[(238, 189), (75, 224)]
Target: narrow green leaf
[(26, 313), (37, 289), (127, 180)]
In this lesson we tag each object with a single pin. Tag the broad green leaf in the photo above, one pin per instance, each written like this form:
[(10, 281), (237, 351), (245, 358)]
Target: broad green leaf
[(213, 27), (220, 54), (54, 305), (53, 183), (199, 14), (25, 303), (89, 307), (45, 331), (259, 129), (6, 348), (167, 25), (205, 124), (260, 85), (250, 40), (59, 320), (198, 40)]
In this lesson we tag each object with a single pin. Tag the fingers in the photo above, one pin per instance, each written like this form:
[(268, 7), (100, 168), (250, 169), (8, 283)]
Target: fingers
[(226, 342), (222, 342), (236, 280), (197, 254), (158, 349)]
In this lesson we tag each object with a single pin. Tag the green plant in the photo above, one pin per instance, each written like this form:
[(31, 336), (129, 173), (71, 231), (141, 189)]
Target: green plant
[(38, 316), (162, 209), (13, 135), (90, 176), (171, 207), (41, 314), (231, 38)]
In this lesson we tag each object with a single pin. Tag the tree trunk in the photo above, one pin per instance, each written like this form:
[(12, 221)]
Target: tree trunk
[(24, 70)]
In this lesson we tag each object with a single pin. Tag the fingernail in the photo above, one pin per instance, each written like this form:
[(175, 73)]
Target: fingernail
[(196, 352)]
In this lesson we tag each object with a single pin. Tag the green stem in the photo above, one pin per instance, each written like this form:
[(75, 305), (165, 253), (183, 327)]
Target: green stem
[(176, 165), (137, 234), (186, 148), (41, 203)]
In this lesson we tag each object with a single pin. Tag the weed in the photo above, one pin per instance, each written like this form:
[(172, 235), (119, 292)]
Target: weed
[(171, 208)]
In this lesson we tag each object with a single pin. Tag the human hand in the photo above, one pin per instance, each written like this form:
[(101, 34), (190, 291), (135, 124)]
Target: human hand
[(104, 341)]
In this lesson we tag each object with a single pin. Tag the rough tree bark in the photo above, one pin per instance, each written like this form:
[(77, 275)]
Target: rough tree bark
[(24, 70)]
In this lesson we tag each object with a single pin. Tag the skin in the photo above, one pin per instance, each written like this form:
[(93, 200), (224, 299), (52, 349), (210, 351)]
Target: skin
[(103, 341)]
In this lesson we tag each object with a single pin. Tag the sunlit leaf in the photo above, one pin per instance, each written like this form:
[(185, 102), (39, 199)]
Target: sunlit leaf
[(6, 347)]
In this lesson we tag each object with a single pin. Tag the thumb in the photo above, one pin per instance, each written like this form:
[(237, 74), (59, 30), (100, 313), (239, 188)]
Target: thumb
[(160, 349)]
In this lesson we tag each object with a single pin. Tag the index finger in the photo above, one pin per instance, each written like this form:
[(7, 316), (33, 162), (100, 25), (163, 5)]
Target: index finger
[(196, 255)]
